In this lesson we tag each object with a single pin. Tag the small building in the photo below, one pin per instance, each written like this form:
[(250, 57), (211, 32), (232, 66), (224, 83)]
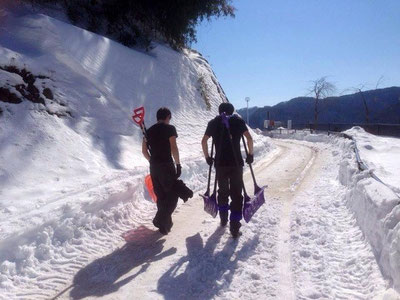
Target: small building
[(272, 124)]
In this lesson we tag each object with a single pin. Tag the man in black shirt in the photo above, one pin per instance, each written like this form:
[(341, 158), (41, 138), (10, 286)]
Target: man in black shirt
[(229, 164), (161, 141)]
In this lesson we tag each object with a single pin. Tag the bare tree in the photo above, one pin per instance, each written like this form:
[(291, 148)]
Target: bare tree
[(377, 86), (360, 90), (320, 89)]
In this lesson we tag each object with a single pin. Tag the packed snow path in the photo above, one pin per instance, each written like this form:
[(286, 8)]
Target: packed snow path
[(302, 244)]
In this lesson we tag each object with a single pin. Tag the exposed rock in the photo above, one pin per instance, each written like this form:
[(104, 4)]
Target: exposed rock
[(48, 93), (29, 91), (7, 96)]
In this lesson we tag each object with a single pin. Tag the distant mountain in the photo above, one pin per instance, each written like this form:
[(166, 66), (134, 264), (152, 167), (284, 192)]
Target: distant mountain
[(383, 105)]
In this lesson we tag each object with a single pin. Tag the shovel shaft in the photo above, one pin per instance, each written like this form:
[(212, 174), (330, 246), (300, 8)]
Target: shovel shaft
[(210, 169), (138, 118), (251, 167), (144, 131)]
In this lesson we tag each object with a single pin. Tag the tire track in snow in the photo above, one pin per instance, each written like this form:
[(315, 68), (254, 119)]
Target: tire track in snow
[(290, 171), (330, 257)]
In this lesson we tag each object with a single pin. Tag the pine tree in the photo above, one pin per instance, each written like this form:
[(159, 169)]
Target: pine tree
[(137, 22)]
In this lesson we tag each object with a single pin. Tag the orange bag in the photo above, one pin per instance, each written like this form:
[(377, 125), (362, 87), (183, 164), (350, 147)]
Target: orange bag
[(149, 184)]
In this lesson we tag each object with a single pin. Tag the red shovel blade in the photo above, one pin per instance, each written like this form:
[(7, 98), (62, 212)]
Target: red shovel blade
[(149, 185), (138, 115)]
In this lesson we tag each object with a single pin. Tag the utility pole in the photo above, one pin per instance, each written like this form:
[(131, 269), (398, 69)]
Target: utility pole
[(247, 99)]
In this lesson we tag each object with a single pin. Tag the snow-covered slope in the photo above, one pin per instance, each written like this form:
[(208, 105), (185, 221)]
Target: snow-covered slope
[(100, 82), (380, 154), (71, 171)]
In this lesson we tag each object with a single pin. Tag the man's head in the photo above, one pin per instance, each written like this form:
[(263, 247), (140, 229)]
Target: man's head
[(164, 115), (226, 108)]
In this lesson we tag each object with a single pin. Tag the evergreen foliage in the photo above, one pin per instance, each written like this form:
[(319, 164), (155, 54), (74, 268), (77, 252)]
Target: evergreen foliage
[(137, 22)]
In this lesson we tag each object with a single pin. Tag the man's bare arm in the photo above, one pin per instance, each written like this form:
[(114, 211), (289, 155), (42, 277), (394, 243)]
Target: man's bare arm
[(204, 145), (174, 149), (249, 141), (145, 151)]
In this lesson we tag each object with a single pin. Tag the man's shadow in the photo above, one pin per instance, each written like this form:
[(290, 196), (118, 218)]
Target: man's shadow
[(207, 271), (101, 277)]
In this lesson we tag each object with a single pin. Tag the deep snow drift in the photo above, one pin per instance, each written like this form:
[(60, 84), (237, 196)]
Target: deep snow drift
[(71, 185)]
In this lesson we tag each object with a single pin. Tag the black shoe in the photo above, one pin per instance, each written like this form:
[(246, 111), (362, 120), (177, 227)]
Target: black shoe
[(182, 190), (234, 228), (187, 196), (224, 218)]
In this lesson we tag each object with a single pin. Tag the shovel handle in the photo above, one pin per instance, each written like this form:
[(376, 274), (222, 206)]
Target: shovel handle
[(210, 169), (138, 116), (251, 167)]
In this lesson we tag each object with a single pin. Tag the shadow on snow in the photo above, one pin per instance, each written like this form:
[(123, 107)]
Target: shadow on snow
[(203, 272), (104, 276)]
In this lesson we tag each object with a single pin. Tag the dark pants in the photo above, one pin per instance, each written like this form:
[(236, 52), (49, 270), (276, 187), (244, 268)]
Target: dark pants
[(164, 178), (230, 183)]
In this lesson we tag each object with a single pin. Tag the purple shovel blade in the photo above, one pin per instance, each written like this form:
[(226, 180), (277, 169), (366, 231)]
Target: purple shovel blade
[(210, 204), (251, 205)]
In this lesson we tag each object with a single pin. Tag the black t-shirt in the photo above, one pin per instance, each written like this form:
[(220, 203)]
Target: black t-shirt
[(158, 139), (224, 155)]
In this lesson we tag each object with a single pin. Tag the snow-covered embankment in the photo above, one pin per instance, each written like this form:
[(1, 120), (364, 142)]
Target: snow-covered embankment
[(375, 204)]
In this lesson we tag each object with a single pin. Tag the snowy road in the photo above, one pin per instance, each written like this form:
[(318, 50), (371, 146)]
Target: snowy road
[(70, 187), (303, 244)]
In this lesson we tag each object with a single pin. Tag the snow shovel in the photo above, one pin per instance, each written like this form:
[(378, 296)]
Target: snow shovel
[(138, 118), (210, 202), (149, 185), (251, 205)]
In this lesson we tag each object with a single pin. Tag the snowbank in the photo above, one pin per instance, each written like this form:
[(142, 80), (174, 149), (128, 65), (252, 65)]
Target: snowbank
[(300, 135), (70, 186), (377, 209), (380, 154), (375, 205), (330, 257)]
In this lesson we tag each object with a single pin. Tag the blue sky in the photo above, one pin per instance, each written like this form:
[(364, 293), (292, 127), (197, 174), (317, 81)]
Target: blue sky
[(272, 49)]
